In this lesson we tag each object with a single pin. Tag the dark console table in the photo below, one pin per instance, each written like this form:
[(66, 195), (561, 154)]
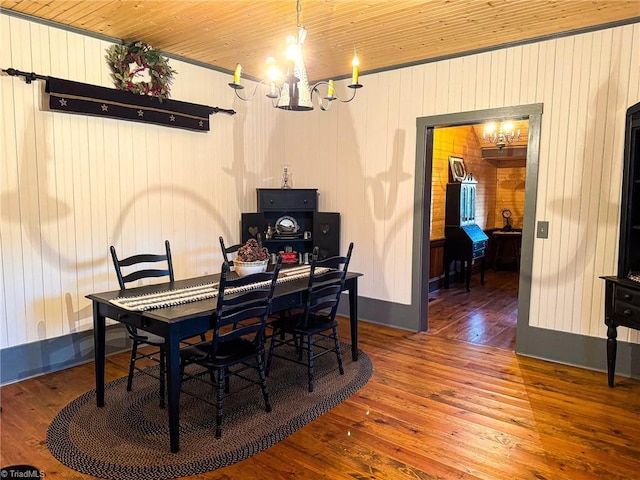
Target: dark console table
[(506, 247), (622, 301), (621, 309)]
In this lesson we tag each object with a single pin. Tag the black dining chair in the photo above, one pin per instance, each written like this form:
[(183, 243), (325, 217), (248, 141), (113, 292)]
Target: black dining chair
[(139, 268), (237, 344), (299, 330), (233, 249), (227, 252)]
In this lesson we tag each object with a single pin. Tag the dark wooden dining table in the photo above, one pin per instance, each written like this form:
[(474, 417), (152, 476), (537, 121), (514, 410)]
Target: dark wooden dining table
[(179, 322)]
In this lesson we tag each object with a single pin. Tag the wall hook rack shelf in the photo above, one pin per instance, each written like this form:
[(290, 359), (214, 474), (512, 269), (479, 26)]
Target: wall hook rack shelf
[(76, 97)]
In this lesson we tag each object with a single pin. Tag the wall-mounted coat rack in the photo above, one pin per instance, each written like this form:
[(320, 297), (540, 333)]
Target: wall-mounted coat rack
[(75, 97)]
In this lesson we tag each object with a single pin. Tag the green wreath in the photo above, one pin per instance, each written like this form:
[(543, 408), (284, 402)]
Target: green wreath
[(126, 61)]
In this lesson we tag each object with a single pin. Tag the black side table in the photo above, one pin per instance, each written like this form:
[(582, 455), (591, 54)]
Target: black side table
[(621, 308)]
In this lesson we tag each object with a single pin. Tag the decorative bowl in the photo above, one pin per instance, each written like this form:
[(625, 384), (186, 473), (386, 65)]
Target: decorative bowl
[(248, 268)]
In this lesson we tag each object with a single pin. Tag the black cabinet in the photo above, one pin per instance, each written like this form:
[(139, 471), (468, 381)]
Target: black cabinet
[(460, 207), (299, 207), (326, 233), (622, 294), (287, 200), (464, 239), (629, 247)]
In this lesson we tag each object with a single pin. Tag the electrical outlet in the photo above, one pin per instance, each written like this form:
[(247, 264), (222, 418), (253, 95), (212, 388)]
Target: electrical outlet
[(542, 231)]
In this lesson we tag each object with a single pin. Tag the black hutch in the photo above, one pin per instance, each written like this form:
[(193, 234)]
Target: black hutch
[(622, 294), (288, 219)]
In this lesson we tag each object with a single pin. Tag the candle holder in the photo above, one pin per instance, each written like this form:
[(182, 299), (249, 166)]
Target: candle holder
[(325, 102), (292, 91), (286, 178)]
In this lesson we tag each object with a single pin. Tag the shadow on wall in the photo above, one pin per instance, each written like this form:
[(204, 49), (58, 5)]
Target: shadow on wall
[(42, 213), (239, 173), (391, 180), (514, 183), (378, 221), (585, 194)]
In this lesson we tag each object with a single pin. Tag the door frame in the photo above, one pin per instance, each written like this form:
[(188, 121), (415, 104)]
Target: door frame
[(422, 205)]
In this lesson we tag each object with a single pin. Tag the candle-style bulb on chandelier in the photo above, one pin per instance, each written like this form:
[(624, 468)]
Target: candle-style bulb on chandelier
[(292, 91), (501, 135)]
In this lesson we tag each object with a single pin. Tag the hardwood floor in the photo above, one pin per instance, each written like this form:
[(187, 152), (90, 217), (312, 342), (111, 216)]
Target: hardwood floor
[(452, 403), (485, 316)]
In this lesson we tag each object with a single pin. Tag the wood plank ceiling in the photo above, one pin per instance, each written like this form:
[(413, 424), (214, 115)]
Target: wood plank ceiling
[(386, 33)]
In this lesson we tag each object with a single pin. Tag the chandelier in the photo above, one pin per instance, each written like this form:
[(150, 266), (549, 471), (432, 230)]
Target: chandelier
[(292, 91), (501, 136)]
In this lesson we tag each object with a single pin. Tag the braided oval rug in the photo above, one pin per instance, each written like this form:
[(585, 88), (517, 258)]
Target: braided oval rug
[(129, 437)]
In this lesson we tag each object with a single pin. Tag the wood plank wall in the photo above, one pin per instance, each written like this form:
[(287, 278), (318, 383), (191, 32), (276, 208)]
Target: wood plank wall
[(500, 185), (72, 185), (461, 142), (510, 184), (584, 82)]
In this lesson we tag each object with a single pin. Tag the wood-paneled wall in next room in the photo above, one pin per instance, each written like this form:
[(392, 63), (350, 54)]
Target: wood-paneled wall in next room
[(510, 194), (461, 142)]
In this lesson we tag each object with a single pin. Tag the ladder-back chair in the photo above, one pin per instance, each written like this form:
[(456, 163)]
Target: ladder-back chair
[(237, 344), (300, 330)]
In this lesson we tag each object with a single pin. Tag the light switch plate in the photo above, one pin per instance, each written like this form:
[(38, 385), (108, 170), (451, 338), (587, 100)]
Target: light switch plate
[(542, 230)]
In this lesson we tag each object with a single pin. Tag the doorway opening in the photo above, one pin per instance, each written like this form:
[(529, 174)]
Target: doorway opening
[(494, 165), (425, 149)]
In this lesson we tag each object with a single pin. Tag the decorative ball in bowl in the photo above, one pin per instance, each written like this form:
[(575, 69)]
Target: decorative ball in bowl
[(249, 268), (252, 258)]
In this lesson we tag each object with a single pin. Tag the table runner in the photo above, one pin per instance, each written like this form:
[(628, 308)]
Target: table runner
[(178, 296)]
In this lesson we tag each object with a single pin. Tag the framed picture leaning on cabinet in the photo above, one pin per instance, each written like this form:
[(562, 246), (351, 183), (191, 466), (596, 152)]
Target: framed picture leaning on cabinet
[(458, 171)]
